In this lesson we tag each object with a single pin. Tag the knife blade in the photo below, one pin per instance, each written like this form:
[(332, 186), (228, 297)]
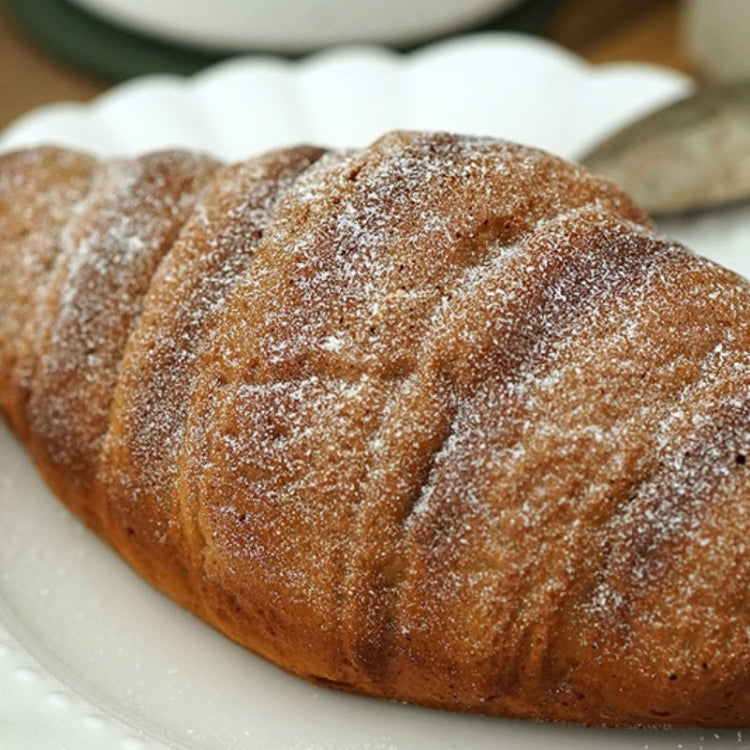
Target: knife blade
[(689, 155)]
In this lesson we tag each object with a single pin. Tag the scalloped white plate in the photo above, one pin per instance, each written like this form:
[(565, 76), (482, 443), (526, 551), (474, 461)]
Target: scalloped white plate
[(90, 656)]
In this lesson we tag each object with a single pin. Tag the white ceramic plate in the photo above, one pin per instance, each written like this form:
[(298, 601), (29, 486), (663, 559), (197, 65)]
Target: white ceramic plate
[(90, 656), (296, 25)]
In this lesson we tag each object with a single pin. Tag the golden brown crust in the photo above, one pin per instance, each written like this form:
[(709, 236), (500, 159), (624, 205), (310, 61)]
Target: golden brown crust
[(439, 420), (38, 191), (110, 250), (216, 244)]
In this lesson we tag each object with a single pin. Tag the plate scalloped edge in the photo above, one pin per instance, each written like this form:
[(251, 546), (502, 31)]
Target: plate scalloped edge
[(57, 714), (347, 96)]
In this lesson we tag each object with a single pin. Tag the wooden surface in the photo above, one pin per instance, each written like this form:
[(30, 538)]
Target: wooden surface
[(601, 31), (644, 30)]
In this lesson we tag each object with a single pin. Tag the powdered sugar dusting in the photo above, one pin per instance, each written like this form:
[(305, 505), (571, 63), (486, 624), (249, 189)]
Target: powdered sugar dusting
[(110, 250), (525, 346), (210, 256), (361, 275), (440, 419), (38, 190)]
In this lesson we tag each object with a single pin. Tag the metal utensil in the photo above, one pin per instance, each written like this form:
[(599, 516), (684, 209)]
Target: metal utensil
[(689, 155)]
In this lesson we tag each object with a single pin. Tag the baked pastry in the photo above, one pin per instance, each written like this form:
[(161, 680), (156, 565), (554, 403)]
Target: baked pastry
[(439, 420)]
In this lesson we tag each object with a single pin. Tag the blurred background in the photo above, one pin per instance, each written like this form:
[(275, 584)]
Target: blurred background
[(54, 50)]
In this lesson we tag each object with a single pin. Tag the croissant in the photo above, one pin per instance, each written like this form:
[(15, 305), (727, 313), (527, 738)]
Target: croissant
[(439, 420)]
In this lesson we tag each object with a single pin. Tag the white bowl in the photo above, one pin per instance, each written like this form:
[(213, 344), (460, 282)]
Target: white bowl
[(294, 25)]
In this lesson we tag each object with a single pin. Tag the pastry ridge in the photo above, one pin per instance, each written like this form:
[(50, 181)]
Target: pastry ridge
[(440, 420)]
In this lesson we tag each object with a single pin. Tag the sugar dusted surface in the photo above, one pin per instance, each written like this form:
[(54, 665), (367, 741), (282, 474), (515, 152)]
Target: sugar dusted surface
[(109, 249), (212, 252), (494, 363), (443, 420), (38, 190)]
